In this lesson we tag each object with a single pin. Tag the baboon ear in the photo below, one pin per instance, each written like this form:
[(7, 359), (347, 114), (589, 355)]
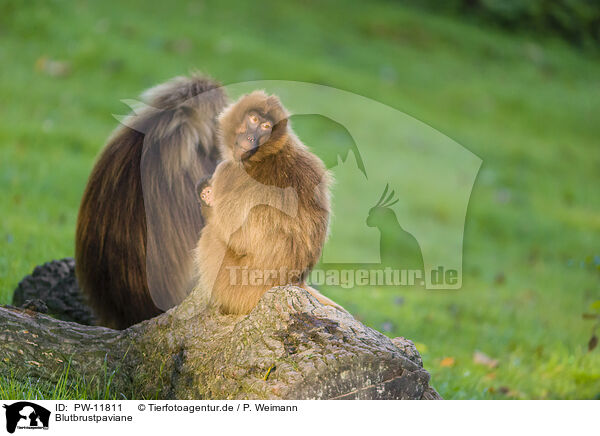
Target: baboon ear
[(281, 126)]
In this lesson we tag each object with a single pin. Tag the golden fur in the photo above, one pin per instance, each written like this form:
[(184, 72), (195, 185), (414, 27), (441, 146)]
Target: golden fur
[(270, 212)]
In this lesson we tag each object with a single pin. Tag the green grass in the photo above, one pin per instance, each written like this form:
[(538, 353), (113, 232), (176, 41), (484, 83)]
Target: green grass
[(528, 108), (14, 386)]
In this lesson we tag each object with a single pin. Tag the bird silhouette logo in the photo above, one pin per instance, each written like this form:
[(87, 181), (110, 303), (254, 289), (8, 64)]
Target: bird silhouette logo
[(398, 247)]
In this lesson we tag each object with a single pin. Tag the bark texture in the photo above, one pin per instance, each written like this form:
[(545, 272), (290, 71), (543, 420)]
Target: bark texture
[(289, 347)]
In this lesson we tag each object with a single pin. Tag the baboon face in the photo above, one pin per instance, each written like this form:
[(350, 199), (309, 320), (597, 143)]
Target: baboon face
[(253, 132)]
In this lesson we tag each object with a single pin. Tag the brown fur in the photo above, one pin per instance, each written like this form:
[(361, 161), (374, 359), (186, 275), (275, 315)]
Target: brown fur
[(139, 218), (269, 212)]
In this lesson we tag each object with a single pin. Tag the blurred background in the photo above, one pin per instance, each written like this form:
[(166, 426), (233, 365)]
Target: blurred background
[(515, 82)]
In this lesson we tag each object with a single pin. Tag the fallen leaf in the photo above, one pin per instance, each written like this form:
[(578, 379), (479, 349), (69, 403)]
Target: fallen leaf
[(421, 347), (52, 67), (40, 62), (181, 46), (447, 362), (510, 393), (481, 358), (500, 278)]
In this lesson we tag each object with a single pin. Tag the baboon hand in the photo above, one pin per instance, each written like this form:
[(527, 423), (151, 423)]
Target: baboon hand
[(207, 196)]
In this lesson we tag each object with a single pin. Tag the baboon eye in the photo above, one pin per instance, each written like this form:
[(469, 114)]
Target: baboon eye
[(265, 126), (254, 119)]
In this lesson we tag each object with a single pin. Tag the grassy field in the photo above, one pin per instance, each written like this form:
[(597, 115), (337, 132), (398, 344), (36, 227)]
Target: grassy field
[(529, 109)]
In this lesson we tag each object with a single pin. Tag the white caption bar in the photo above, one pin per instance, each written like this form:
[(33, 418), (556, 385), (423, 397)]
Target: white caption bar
[(298, 417)]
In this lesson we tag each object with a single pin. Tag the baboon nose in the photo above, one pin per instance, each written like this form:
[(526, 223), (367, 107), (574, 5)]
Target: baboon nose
[(251, 138)]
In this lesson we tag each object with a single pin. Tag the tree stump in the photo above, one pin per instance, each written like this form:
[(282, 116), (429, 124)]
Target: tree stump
[(289, 347)]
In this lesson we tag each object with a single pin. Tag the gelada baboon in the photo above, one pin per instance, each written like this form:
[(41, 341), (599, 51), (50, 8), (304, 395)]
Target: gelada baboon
[(266, 208), (139, 218)]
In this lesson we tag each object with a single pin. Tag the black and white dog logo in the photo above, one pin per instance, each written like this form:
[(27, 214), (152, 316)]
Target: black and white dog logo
[(26, 415)]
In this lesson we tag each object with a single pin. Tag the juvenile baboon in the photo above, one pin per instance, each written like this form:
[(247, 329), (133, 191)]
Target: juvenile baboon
[(139, 218), (267, 208)]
